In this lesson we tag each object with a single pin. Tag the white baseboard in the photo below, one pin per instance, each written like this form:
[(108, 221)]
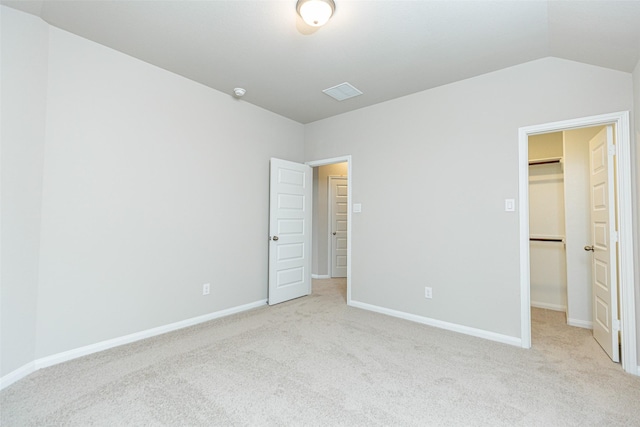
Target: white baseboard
[(320, 276), (580, 323), (554, 307), (480, 333), (54, 359), (17, 375)]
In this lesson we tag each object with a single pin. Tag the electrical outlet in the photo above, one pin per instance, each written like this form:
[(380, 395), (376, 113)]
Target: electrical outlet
[(428, 292), (206, 288)]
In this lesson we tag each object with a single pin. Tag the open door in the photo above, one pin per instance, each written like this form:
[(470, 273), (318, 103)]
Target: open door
[(338, 199), (289, 231), (603, 243)]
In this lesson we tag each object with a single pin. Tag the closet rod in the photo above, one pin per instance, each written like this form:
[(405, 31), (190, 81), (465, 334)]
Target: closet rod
[(543, 162), (543, 239)]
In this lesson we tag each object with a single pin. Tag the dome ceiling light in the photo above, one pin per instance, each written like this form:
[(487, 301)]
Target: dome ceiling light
[(315, 12)]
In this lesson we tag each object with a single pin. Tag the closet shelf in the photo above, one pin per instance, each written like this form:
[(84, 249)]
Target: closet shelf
[(546, 238), (545, 161)]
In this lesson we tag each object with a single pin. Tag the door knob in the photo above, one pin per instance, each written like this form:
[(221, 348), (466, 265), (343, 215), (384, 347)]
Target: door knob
[(589, 248), (334, 233), (275, 238)]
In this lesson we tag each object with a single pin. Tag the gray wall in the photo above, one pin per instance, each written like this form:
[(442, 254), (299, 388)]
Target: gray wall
[(151, 186), (24, 87), (432, 169)]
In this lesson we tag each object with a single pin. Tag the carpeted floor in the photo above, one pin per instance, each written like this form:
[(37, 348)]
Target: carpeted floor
[(316, 362)]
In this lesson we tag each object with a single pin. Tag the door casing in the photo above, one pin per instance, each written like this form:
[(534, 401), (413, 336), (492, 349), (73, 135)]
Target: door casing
[(624, 213)]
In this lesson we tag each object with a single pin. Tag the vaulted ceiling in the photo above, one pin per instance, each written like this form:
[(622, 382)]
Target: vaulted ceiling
[(387, 49)]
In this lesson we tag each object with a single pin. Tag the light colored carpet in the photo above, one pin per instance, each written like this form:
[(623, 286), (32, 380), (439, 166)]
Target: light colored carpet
[(315, 361)]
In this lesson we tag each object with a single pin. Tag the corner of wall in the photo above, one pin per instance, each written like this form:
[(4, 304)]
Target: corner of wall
[(24, 58)]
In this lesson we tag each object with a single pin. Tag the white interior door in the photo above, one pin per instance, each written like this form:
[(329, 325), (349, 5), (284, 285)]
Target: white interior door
[(603, 242), (290, 204), (338, 201)]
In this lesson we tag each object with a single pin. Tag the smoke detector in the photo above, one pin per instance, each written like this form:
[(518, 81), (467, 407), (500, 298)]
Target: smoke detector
[(239, 92)]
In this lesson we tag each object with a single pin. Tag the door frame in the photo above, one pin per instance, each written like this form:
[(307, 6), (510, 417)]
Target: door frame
[(330, 161), (330, 225), (624, 216)]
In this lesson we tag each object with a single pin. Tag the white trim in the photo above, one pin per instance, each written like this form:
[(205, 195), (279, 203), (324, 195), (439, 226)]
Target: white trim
[(547, 306), (525, 268), (480, 333), (320, 276), (347, 158), (17, 375), (625, 226), (580, 323), (65, 356)]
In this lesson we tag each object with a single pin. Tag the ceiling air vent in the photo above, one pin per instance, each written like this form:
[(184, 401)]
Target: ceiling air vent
[(342, 91)]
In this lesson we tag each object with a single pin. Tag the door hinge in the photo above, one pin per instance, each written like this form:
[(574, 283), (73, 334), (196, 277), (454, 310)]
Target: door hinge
[(612, 150), (614, 236)]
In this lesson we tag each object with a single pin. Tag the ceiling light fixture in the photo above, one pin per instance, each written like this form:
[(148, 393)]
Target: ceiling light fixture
[(315, 12)]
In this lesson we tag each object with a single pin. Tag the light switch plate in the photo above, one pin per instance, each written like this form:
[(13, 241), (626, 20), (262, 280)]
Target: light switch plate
[(357, 207), (509, 205)]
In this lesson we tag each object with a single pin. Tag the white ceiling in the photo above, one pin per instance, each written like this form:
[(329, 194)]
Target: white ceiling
[(387, 49)]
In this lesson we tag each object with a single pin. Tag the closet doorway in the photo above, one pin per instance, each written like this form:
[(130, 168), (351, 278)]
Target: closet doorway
[(559, 223), (543, 237)]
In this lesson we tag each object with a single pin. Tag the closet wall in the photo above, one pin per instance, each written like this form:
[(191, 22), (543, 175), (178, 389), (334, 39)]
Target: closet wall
[(547, 222)]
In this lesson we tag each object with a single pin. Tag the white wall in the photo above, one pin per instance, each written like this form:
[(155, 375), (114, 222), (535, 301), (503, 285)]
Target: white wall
[(152, 185), (548, 266), (577, 225), (320, 215), (24, 84), (433, 170)]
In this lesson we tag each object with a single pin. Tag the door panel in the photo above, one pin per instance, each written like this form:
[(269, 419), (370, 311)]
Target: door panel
[(289, 231), (605, 286), (338, 199)]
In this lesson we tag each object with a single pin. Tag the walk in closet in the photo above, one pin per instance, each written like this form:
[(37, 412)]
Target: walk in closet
[(559, 223)]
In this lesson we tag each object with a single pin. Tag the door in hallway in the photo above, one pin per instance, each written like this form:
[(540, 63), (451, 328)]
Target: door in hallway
[(338, 202)]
